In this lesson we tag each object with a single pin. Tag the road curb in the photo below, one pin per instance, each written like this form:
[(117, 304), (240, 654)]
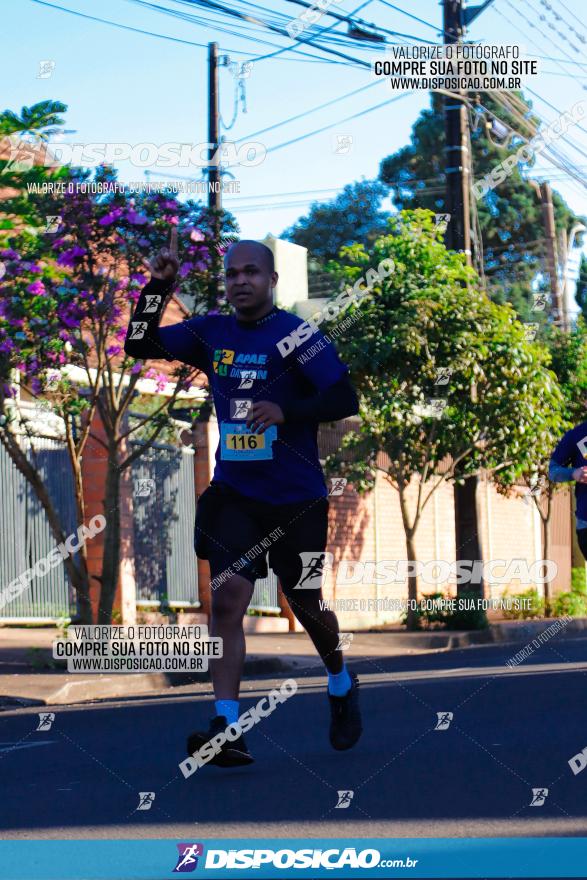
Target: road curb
[(13, 694), (26, 690), (496, 633)]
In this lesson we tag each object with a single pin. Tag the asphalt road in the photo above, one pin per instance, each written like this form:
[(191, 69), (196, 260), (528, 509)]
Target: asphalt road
[(512, 730)]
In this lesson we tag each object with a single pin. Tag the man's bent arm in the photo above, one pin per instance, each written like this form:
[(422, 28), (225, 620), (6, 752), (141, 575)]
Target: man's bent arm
[(338, 401), (143, 337)]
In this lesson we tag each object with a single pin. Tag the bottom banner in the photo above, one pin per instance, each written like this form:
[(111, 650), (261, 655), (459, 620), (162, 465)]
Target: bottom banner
[(271, 858)]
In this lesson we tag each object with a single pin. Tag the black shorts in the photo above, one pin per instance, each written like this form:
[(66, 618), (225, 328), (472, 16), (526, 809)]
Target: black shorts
[(237, 534)]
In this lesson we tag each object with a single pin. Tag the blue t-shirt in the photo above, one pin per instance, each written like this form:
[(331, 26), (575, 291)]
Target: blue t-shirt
[(571, 451), (243, 363)]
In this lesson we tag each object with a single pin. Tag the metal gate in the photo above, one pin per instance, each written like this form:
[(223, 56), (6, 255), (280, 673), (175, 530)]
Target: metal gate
[(164, 505), (26, 536)]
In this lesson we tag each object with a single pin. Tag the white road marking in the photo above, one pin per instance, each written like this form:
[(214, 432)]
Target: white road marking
[(9, 747)]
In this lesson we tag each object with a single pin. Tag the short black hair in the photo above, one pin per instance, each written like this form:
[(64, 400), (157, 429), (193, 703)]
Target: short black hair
[(268, 257)]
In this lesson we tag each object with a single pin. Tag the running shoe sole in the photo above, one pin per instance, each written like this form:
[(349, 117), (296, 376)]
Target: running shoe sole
[(227, 757)]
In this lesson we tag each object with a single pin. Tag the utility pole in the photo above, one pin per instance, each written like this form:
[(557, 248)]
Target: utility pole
[(458, 238), (214, 194), (551, 255), (214, 189), (457, 164)]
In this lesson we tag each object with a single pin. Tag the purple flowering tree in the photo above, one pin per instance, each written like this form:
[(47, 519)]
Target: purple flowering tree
[(65, 300)]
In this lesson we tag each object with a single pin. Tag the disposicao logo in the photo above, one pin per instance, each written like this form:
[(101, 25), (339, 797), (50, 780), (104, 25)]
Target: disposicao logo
[(187, 859)]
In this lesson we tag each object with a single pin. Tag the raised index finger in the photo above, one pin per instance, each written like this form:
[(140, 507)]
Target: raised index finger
[(173, 241)]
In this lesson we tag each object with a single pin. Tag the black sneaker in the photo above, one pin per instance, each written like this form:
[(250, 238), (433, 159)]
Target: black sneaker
[(345, 718), (231, 754)]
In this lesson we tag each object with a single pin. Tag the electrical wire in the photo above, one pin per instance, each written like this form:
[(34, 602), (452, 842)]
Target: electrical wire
[(214, 5), (440, 31), (549, 24), (121, 26), (313, 59), (560, 2), (307, 112), (338, 122), (558, 17), (535, 27), (499, 98), (310, 39), (226, 63), (549, 57)]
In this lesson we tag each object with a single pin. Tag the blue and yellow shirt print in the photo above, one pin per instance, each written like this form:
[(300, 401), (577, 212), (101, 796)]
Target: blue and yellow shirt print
[(242, 362), (227, 362), (237, 442)]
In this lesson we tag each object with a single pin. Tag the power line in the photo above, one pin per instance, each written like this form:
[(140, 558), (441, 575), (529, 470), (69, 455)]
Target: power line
[(535, 27), (552, 107), (546, 57), (314, 59), (428, 24), (302, 192), (365, 24), (567, 138), (550, 153), (556, 73), (338, 122), (558, 17), (307, 112), (309, 39), (213, 4), (549, 24), (121, 26), (560, 2)]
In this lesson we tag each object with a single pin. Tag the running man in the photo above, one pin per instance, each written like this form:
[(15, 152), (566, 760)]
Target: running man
[(572, 450), (268, 480)]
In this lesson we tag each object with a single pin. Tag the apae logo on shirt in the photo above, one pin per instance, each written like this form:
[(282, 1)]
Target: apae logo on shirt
[(226, 362)]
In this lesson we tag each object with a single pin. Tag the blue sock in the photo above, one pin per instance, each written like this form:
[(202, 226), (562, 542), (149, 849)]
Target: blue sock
[(228, 708), (340, 683)]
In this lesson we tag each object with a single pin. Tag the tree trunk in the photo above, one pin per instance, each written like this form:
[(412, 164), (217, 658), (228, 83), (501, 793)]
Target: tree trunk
[(467, 532), (546, 547), (412, 616), (83, 596), (111, 559)]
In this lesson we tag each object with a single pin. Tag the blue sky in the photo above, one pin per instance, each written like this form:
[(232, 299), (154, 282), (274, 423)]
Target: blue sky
[(130, 87)]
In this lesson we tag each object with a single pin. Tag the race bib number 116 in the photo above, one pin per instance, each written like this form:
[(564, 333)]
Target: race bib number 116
[(239, 443)]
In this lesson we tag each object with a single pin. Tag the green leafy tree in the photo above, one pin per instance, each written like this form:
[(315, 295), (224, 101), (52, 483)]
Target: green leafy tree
[(503, 405), (354, 215), (510, 220), (23, 138)]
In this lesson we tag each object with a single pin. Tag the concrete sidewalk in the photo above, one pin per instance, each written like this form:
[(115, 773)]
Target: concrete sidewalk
[(29, 676)]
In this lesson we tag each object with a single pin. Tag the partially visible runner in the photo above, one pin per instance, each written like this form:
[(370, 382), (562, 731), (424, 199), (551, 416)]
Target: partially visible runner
[(572, 450), (267, 476)]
